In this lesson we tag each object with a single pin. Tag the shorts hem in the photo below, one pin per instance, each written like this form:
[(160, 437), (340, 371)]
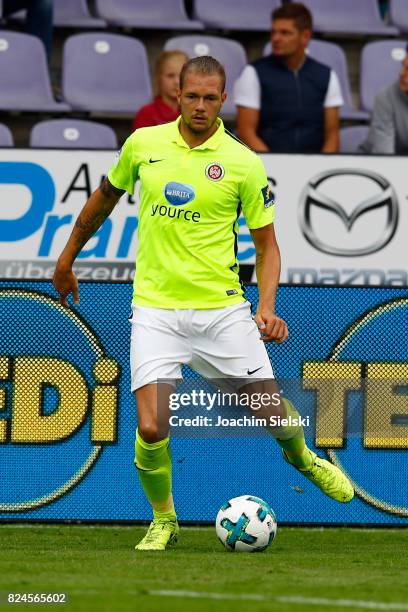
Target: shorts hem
[(154, 381)]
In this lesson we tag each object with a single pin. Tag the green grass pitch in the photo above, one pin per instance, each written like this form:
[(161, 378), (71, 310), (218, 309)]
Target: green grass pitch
[(305, 569)]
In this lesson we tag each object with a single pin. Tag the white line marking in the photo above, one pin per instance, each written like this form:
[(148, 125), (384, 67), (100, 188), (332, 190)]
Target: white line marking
[(204, 595), (308, 601), (347, 603)]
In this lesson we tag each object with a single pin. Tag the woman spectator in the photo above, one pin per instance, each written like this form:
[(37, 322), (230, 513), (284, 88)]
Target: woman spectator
[(164, 107)]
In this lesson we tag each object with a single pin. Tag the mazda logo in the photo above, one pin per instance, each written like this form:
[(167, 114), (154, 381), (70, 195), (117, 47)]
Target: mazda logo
[(380, 196)]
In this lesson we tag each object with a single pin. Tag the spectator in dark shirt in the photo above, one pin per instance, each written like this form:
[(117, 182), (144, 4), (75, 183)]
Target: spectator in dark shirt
[(287, 101), (38, 18), (165, 107)]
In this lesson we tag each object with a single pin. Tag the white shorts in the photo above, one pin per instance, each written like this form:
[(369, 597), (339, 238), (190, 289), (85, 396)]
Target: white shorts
[(216, 343)]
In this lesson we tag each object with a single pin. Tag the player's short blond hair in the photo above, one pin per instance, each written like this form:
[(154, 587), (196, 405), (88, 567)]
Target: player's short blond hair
[(205, 64)]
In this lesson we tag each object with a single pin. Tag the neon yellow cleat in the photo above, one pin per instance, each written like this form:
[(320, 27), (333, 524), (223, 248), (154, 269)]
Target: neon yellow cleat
[(161, 533), (328, 477)]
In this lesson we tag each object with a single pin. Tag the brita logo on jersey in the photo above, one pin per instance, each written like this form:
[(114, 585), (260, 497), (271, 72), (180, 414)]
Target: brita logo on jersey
[(179, 194)]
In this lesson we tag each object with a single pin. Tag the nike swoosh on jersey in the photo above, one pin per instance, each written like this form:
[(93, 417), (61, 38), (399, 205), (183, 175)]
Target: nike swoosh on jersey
[(249, 372), (153, 161)]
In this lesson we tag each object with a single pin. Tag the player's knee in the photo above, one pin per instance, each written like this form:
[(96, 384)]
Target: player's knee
[(149, 432)]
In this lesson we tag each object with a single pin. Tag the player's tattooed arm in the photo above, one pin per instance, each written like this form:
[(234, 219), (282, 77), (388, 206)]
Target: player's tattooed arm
[(94, 213), (97, 209), (109, 190)]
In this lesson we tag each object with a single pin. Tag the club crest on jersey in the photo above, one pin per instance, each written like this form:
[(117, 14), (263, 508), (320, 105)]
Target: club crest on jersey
[(215, 172)]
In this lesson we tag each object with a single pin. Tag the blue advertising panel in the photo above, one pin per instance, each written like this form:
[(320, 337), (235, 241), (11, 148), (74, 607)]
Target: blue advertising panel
[(67, 416)]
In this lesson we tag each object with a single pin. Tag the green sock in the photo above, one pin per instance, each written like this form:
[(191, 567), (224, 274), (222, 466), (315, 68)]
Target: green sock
[(292, 440), (153, 464)]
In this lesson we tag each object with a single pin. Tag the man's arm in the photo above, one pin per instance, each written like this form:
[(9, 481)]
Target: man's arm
[(247, 98), (96, 210), (382, 128), (268, 265), (331, 130), (247, 125)]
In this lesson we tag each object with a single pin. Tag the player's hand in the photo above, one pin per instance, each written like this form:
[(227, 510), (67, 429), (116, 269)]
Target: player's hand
[(65, 282), (271, 327)]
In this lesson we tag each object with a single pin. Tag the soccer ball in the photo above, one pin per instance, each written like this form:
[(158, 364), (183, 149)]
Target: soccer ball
[(246, 524)]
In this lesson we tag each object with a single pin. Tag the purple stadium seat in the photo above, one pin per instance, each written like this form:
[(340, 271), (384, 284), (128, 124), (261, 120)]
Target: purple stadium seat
[(352, 137), (75, 14), (24, 79), (333, 56), (380, 66), (348, 17), (236, 14), (156, 14), (73, 134), (230, 53), (70, 14), (399, 14), (106, 73), (6, 137)]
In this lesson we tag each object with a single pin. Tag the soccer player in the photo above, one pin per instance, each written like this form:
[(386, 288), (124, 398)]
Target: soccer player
[(188, 303)]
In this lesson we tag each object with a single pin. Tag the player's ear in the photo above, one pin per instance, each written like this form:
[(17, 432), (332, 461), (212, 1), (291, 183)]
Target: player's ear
[(223, 97), (178, 96)]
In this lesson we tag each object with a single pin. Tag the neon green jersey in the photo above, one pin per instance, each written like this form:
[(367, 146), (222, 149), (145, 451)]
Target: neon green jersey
[(190, 200)]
